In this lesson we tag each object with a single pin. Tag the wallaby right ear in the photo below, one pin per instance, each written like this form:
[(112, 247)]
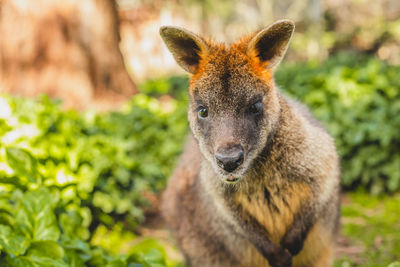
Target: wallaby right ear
[(186, 47), (271, 43)]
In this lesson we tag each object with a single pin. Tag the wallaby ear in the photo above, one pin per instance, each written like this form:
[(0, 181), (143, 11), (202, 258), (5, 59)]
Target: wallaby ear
[(271, 43), (186, 47)]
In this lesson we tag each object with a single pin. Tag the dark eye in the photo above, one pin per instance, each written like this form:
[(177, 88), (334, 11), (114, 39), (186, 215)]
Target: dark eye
[(256, 108), (203, 112)]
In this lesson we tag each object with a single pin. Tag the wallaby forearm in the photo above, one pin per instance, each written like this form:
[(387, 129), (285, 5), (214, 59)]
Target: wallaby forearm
[(257, 235), (276, 255), (294, 238)]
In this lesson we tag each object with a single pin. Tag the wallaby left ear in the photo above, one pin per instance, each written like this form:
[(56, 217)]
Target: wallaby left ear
[(186, 47), (271, 43)]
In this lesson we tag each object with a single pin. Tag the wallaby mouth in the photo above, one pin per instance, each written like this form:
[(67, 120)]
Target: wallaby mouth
[(232, 179)]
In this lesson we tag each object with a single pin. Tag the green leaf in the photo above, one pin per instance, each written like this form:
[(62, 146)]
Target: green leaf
[(154, 256), (73, 259), (22, 162), (78, 245), (47, 249), (148, 251), (34, 260), (35, 216), (15, 181), (12, 243)]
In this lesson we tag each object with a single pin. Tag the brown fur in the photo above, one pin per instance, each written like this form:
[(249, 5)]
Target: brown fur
[(282, 210)]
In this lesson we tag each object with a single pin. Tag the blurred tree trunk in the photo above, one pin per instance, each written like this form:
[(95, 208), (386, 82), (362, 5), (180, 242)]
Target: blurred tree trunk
[(68, 49)]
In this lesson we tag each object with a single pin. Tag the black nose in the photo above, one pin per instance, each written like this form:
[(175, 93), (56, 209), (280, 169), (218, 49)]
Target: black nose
[(229, 159)]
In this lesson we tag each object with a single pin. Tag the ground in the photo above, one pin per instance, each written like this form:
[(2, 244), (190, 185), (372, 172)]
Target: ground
[(370, 233)]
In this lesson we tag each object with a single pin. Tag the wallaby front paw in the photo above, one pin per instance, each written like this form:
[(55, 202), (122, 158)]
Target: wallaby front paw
[(283, 259), (293, 242)]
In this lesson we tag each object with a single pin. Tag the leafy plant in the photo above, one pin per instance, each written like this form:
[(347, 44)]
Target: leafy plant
[(64, 174), (358, 99), (38, 227), (116, 160)]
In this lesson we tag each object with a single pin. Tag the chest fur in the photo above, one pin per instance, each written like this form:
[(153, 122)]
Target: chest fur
[(274, 207)]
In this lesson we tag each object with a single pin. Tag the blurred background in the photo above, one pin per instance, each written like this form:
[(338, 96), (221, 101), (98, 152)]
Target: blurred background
[(93, 119)]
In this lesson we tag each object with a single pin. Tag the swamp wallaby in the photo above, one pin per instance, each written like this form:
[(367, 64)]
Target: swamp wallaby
[(258, 182)]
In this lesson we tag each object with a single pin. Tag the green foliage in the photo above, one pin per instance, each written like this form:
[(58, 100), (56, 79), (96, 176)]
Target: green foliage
[(39, 232), (62, 174), (109, 161), (358, 99)]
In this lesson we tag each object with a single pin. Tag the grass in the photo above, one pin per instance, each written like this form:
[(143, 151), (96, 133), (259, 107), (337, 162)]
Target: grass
[(370, 231)]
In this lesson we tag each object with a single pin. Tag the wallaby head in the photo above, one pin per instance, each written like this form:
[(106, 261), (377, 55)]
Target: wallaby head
[(234, 105)]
